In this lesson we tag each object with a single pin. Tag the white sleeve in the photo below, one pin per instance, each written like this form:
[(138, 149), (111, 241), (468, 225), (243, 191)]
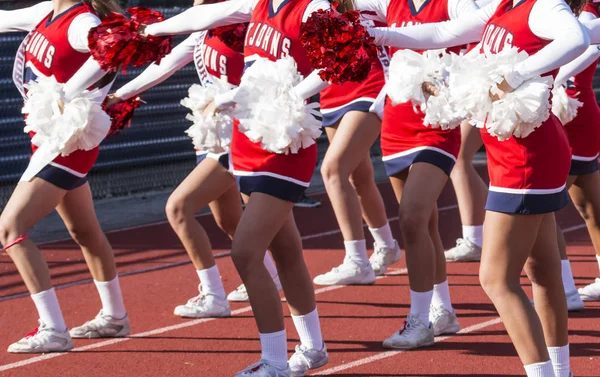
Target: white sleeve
[(25, 19), (89, 74), (205, 17), (179, 57), (457, 7), (583, 61), (379, 7), (462, 30), (482, 3), (79, 30), (551, 20), (314, 6)]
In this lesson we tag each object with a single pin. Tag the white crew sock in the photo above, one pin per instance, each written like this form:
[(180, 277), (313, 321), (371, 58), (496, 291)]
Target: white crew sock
[(270, 265), (540, 369), (441, 296), (383, 236), (309, 330), (210, 279), (357, 251), (473, 233), (274, 349), (48, 309), (419, 305), (560, 360), (111, 298), (567, 276)]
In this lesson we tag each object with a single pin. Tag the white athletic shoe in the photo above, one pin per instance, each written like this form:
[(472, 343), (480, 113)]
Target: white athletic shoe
[(574, 302), (203, 306), (304, 360), (241, 294), (103, 326), (464, 251), (348, 273), (264, 369), (43, 340), (383, 257), (443, 321), (413, 334), (590, 292)]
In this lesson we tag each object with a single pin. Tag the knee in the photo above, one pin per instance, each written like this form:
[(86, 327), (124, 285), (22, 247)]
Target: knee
[(413, 221), (175, 209), (361, 180), (246, 259), (9, 232), (332, 174), (494, 285), (84, 237)]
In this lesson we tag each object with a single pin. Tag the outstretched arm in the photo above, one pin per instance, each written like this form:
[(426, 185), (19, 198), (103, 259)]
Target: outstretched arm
[(25, 19), (157, 73), (205, 17)]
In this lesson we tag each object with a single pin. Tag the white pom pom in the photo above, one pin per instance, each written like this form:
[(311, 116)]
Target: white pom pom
[(80, 124), (441, 112), (270, 111), (409, 70), (564, 106), (212, 133), (521, 111)]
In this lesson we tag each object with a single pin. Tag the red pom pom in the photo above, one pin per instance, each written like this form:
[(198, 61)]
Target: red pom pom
[(231, 35), (339, 45), (121, 114), (117, 40)]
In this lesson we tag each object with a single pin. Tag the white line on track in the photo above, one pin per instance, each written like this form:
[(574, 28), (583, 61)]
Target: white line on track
[(388, 354), (161, 330)]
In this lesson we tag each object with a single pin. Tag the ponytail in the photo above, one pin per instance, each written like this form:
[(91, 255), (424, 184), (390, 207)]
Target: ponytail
[(343, 5), (576, 6), (104, 7)]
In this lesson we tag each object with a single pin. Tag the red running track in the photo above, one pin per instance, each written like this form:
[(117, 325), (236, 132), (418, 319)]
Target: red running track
[(156, 276)]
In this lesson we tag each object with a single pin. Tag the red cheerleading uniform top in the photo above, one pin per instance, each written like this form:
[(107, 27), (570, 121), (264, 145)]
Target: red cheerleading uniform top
[(540, 162), (584, 79), (274, 34), (48, 53), (213, 58)]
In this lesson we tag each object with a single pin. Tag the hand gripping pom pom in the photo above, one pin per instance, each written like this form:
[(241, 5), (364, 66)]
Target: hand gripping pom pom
[(270, 111), (117, 41), (338, 45), (60, 127), (208, 133), (564, 106), (521, 111), (231, 35), (121, 114)]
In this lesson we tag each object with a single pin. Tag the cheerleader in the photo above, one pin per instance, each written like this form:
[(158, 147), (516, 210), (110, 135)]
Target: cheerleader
[(418, 161), (584, 138), (56, 48), (470, 190), (527, 175), (210, 183), (271, 183), (352, 124)]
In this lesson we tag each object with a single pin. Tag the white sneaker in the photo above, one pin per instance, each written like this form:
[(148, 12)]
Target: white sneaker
[(348, 273), (42, 340), (103, 326), (443, 321), (241, 294), (414, 334), (304, 360), (264, 369), (574, 302), (590, 292), (203, 306), (383, 257), (464, 251)]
